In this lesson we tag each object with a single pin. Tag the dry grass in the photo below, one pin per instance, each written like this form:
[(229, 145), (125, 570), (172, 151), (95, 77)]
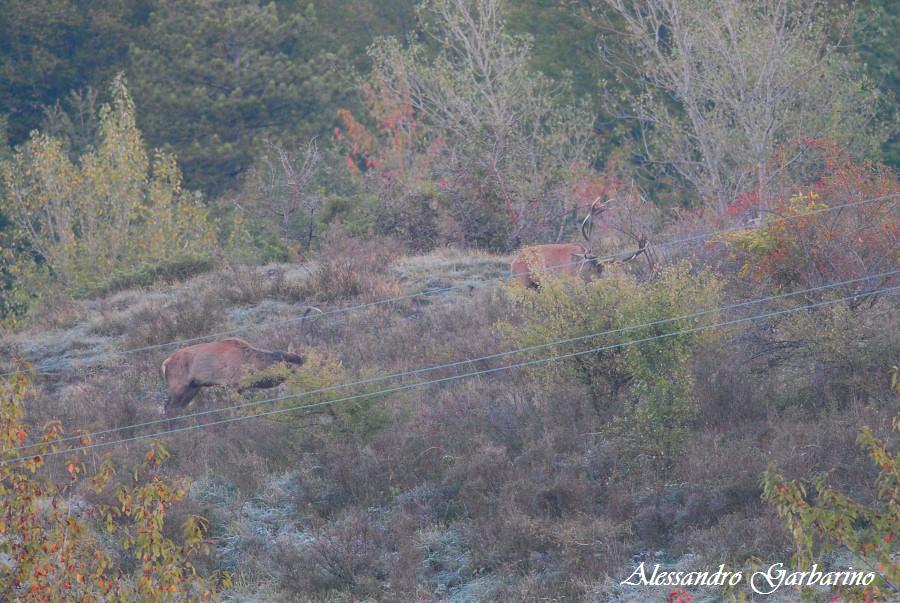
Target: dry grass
[(492, 488), (352, 269)]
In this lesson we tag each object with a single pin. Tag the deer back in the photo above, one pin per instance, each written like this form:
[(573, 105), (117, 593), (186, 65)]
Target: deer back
[(557, 258)]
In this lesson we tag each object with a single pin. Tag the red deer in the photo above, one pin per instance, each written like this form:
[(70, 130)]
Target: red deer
[(224, 362), (565, 258)]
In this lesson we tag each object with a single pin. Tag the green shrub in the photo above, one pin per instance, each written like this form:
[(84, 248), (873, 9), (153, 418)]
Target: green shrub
[(644, 391), (320, 371)]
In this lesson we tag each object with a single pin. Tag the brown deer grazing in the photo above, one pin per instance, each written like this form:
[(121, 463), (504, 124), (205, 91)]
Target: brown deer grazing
[(224, 362), (566, 258)]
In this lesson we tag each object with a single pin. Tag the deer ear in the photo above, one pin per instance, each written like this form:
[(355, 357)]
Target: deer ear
[(290, 348)]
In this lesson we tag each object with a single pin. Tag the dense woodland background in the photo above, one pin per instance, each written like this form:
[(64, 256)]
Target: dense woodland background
[(171, 169)]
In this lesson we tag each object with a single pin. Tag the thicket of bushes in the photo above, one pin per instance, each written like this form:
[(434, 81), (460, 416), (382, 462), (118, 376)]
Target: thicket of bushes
[(456, 137), (521, 484)]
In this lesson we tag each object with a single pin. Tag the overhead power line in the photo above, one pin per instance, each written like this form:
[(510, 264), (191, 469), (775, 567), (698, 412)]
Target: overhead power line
[(553, 358), (428, 369), (442, 290)]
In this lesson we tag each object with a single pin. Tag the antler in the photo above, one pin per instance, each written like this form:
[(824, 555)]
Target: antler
[(305, 314), (642, 247), (582, 258), (588, 222)]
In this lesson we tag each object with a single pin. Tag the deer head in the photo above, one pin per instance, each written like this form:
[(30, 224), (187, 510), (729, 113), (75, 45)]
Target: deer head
[(588, 260)]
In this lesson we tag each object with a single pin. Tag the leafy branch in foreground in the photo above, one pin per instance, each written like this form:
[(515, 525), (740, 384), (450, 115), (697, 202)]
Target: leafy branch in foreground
[(822, 519), (52, 539)]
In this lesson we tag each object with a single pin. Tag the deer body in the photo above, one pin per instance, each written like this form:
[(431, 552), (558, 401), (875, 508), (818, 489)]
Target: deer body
[(557, 259), (567, 258), (223, 362)]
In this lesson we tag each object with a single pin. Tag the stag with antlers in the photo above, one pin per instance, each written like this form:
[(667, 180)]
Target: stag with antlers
[(570, 259)]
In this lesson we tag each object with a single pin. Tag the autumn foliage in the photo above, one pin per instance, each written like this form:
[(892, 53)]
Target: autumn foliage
[(115, 210), (822, 519), (53, 541), (394, 159), (837, 221)]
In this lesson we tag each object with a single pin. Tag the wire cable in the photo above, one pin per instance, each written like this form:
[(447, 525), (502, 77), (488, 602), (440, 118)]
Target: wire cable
[(461, 362), (399, 388), (443, 290)]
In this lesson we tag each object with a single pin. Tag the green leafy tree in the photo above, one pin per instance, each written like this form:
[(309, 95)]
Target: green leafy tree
[(564, 42), (113, 213), (356, 24), (877, 48), (14, 298), (213, 77), (823, 519), (74, 120)]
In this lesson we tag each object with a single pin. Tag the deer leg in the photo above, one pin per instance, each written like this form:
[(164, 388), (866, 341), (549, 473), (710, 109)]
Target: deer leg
[(189, 395), (183, 398)]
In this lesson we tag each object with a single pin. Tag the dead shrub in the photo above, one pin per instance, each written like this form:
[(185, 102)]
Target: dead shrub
[(242, 284), (729, 397), (100, 398), (354, 553), (579, 544), (187, 316), (351, 268), (241, 465), (754, 532), (537, 585), (806, 442), (427, 503), (57, 311), (660, 516)]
